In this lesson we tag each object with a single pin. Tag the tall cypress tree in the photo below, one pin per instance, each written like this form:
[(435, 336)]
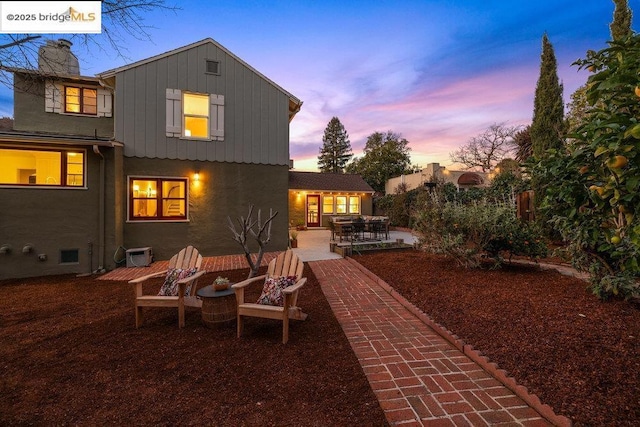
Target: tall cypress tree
[(548, 126), (336, 148), (621, 25)]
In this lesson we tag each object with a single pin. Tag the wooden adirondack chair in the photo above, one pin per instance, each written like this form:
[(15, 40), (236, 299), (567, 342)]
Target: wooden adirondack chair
[(285, 264), (187, 258)]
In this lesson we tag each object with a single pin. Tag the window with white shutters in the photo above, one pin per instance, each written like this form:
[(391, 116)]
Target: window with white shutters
[(194, 115)]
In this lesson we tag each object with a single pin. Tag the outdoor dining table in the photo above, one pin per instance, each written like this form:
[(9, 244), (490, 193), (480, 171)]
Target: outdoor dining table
[(356, 229)]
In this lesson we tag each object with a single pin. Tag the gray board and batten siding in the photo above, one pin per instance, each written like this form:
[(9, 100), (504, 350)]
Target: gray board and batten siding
[(256, 110)]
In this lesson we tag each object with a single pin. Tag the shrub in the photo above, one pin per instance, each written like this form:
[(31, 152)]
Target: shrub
[(480, 229)]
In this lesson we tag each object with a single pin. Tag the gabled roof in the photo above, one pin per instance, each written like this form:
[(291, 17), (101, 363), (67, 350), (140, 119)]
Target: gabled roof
[(328, 182), (294, 103)]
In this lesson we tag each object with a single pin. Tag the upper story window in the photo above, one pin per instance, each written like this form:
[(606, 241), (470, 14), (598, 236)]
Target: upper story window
[(80, 100), (157, 199), (87, 100), (194, 115), (51, 168)]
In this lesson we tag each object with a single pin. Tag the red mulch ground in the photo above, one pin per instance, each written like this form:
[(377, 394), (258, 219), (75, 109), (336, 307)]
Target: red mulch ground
[(580, 355), (70, 355)]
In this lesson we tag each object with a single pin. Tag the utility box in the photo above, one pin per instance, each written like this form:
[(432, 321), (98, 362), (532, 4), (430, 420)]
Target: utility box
[(139, 257)]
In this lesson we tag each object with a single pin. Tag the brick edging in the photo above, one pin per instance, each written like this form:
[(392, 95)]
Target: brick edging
[(500, 375)]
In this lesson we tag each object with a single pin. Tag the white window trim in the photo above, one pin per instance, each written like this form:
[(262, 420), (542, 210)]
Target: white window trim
[(359, 204), (333, 205)]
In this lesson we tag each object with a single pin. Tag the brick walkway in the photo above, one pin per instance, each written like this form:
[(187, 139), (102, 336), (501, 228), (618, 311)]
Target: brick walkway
[(420, 377), (421, 374)]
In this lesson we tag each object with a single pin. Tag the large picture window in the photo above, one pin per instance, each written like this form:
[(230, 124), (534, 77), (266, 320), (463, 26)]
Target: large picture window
[(80, 100), (163, 199), (54, 168)]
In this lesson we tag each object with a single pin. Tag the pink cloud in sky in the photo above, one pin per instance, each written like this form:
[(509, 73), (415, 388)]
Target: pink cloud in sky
[(436, 120)]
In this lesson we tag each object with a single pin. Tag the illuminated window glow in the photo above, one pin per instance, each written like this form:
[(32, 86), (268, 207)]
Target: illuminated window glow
[(80, 100), (341, 204), (56, 168), (157, 199), (327, 204), (354, 204), (196, 115)]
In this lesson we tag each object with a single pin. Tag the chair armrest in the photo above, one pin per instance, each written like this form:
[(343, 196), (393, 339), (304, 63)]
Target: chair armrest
[(298, 285), (148, 276), (247, 282), (182, 283), (192, 277), (239, 287)]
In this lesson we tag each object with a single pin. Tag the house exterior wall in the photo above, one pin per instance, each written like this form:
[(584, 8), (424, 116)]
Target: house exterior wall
[(51, 220), (297, 206), (30, 115), (249, 166), (223, 190), (256, 120)]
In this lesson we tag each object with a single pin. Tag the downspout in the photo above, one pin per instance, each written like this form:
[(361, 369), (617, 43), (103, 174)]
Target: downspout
[(101, 224)]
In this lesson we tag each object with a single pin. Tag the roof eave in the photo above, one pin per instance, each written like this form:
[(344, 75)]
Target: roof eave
[(21, 138)]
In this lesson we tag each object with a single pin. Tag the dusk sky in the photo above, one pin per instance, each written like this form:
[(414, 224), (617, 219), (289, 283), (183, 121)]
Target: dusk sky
[(437, 72)]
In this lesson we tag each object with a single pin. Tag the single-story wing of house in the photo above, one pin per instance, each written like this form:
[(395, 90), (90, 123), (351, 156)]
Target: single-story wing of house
[(314, 198)]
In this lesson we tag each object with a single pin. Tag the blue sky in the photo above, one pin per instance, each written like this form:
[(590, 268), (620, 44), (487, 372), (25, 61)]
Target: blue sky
[(438, 72)]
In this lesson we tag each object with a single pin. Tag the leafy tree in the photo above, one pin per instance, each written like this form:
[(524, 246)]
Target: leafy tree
[(621, 25), (507, 184), (548, 127), (335, 152), (487, 149), (577, 109), (593, 195), (508, 165), (120, 19), (385, 155)]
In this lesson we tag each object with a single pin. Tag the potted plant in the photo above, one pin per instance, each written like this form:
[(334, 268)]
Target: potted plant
[(293, 238), (221, 283)]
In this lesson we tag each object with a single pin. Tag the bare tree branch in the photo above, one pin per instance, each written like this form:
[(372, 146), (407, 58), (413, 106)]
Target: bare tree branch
[(487, 149), (261, 233), (121, 20)]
